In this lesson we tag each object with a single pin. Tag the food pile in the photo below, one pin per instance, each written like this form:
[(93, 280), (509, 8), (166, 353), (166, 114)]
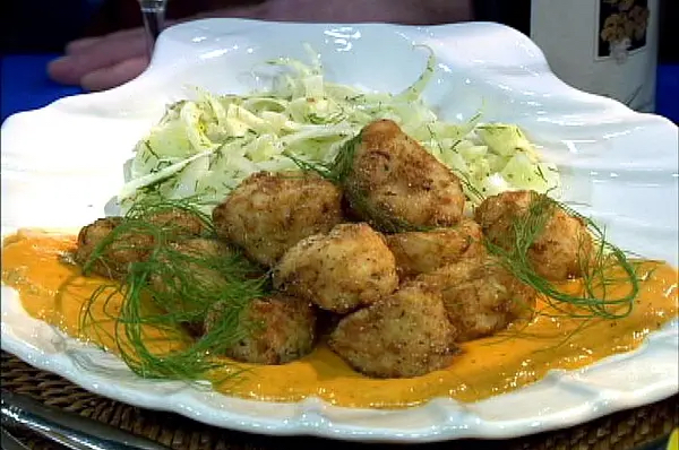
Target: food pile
[(207, 144), (372, 254)]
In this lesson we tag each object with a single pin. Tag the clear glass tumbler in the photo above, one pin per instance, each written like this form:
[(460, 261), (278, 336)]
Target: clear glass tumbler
[(153, 12)]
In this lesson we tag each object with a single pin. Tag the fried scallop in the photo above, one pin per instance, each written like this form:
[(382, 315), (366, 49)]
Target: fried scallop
[(198, 257), (481, 297), (270, 212), (559, 250), (177, 220), (192, 274), (395, 184), (340, 271), (419, 252), (406, 334), (111, 260), (134, 243), (210, 256), (275, 329)]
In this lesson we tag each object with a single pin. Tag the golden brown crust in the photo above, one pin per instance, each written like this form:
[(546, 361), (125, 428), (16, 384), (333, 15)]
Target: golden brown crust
[(277, 329), (197, 258), (419, 252), (182, 221), (270, 212), (340, 271), (135, 245), (480, 296), (396, 177), (404, 335), (115, 259), (557, 253)]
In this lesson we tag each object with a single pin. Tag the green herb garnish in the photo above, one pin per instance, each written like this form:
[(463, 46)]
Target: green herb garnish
[(169, 293)]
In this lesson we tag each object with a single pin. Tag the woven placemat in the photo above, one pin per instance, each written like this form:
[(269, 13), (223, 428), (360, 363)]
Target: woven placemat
[(624, 430)]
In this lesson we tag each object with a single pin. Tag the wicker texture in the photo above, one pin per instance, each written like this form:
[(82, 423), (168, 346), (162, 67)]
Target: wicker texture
[(623, 430)]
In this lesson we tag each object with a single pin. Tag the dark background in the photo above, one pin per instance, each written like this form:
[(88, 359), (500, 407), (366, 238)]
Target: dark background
[(41, 26), (45, 26)]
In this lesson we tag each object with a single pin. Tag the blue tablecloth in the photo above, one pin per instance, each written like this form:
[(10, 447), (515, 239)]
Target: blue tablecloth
[(25, 86)]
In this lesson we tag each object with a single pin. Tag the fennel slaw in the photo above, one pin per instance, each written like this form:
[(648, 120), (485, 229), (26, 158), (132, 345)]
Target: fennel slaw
[(205, 147)]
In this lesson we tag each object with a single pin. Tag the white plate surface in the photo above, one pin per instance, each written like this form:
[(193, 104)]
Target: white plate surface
[(62, 164)]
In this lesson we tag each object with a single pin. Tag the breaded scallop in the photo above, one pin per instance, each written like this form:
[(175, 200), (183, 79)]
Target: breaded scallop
[(406, 334), (396, 185), (419, 252), (214, 255), (558, 250), (275, 330), (340, 271), (480, 296), (177, 220), (134, 243), (270, 212), (199, 257), (190, 275), (113, 259)]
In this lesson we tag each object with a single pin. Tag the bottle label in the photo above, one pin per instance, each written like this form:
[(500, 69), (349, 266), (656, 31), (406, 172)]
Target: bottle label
[(605, 47), (622, 28)]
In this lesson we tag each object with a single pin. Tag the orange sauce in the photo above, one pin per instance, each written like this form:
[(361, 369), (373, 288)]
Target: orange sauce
[(54, 291)]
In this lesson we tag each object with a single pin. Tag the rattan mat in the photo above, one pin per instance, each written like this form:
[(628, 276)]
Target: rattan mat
[(623, 430)]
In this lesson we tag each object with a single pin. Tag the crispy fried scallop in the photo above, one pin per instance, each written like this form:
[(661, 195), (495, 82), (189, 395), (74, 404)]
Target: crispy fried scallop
[(198, 257), (340, 271), (406, 334), (480, 296), (134, 244), (178, 221), (276, 329), (558, 250), (395, 184), (191, 266), (113, 260), (419, 252), (270, 212)]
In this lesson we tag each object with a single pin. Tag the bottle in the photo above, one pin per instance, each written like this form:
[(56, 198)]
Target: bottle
[(605, 47)]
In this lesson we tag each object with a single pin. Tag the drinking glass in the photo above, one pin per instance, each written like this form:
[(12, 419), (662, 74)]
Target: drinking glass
[(153, 13)]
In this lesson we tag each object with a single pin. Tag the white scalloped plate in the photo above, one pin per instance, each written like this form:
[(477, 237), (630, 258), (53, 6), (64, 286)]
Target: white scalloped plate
[(61, 165)]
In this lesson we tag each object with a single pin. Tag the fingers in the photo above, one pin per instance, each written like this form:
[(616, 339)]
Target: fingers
[(115, 75), (94, 54), (80, 45), (103, 62)]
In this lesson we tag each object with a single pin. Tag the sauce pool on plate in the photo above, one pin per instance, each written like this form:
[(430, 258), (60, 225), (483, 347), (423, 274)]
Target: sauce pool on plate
[(55, 291)]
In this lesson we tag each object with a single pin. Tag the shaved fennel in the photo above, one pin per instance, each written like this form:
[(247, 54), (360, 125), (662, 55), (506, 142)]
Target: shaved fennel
[(207, 146)]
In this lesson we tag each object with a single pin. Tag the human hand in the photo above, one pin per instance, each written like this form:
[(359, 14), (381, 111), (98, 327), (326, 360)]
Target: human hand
[(102, 62), (105, 62)]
